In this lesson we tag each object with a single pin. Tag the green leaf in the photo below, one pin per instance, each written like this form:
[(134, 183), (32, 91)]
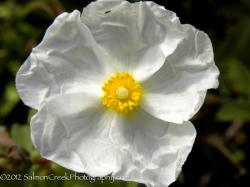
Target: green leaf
[(13, 67), (10, 99), (238, 155), (236, 76), (237, 41), (132, 184), (3, 161), (21, 136), (234, 111), (5, 10)]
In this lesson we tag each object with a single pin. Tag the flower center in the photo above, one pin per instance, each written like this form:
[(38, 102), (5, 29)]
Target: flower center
[(121, 93)]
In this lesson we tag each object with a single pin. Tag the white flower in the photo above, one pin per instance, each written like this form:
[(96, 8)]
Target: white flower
[(115, 88)]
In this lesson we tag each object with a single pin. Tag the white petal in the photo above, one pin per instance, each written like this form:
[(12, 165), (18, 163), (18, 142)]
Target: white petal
[(145, 62), (163, 13), (177, 91), (194, 59), (153, 150), (156, 27), (131, 33), (67, 60), (72, 130)]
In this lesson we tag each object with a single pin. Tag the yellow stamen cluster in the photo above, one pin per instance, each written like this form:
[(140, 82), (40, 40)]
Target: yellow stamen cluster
[(121, 93)]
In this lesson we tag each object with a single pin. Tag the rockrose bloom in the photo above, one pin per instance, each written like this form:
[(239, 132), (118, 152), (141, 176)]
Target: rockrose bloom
[(115, 87)]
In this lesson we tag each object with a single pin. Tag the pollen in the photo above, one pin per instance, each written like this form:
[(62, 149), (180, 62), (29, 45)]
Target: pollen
[(121, 93)]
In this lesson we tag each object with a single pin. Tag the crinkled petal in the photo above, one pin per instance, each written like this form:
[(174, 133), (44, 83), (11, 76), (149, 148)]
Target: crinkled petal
[(73, 131), (153, 151), (177, 91), (142, 66), (136, 36), (68, 60)]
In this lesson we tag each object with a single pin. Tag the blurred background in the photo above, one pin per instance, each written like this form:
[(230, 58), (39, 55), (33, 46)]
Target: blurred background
[(221, 153)]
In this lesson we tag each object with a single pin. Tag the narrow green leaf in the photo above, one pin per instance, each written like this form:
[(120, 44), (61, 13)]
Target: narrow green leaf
[(233, 111)]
